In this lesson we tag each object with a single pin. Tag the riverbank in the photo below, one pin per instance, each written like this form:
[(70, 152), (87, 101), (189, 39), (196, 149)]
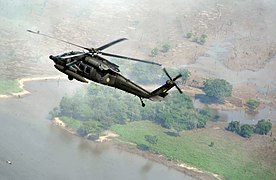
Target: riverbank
[(182, 167), (194, 148), (21, 84), (213, 149), (113, 138)]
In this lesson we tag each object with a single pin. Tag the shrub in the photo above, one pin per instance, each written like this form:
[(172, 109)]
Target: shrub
[(234, 126), (217, 88), (252, 104), (263, 127), (246, 131)]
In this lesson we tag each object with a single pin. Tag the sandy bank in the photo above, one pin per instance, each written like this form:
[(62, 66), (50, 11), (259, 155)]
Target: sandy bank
[(58, 122), (108, 135)]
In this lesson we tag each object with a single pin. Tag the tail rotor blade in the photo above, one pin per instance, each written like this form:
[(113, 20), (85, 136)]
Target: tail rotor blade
[(178, 89), (166, 72), (178, 76)]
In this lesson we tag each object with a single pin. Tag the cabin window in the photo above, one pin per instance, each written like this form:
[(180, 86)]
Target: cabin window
[(82, 66), (87, 69)]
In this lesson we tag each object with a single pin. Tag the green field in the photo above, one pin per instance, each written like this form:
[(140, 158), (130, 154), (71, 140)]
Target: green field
[(229, 156), (9, 86)]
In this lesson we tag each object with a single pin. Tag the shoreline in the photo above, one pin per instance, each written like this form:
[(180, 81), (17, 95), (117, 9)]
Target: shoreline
[(21, 83), (160, 159), (109, 136)]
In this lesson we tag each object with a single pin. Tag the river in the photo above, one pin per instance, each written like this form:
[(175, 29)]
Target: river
[(40, 150)]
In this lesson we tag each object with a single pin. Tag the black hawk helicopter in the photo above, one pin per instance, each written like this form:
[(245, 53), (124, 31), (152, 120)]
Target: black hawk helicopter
[(91, 65)]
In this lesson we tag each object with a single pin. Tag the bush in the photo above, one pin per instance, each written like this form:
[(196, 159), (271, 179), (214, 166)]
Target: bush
[(217, 88), (263, 127), (202, 39), (246, 131), (151, 139), (252, 104), (234, 126), (142, 147)]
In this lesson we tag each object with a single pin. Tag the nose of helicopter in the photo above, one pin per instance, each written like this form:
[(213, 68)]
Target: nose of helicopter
[(52, 57)]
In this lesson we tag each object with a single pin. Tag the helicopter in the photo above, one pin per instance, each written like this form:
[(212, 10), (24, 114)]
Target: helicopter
[(81, 65)]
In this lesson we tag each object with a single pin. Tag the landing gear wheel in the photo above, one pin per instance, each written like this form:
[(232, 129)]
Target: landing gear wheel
[(143, 104), (70, 78)]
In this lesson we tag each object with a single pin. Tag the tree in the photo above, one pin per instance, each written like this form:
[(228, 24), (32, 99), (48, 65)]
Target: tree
[(234, 126), (246, 131), (217, 88), (106, 106), (90, 127), (263, 127), (206, 111), (67, 106), (252, 104), (54, 113)]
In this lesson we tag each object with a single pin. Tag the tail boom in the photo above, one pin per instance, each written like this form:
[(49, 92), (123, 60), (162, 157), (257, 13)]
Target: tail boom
[(161, 92)]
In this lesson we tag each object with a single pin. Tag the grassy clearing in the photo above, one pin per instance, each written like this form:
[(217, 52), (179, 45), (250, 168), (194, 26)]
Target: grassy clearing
[(229, 156), (9, 86)]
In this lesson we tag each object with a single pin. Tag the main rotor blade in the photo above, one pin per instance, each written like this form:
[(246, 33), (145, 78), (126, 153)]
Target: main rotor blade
[(72, 56), (129, 58), (38, 33), (110, 44)]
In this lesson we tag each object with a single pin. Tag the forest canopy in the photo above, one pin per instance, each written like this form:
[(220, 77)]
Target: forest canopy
[(97, 108)]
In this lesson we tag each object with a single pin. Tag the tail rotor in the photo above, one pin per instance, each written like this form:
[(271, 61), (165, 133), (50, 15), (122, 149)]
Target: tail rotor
[(173, 80)]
